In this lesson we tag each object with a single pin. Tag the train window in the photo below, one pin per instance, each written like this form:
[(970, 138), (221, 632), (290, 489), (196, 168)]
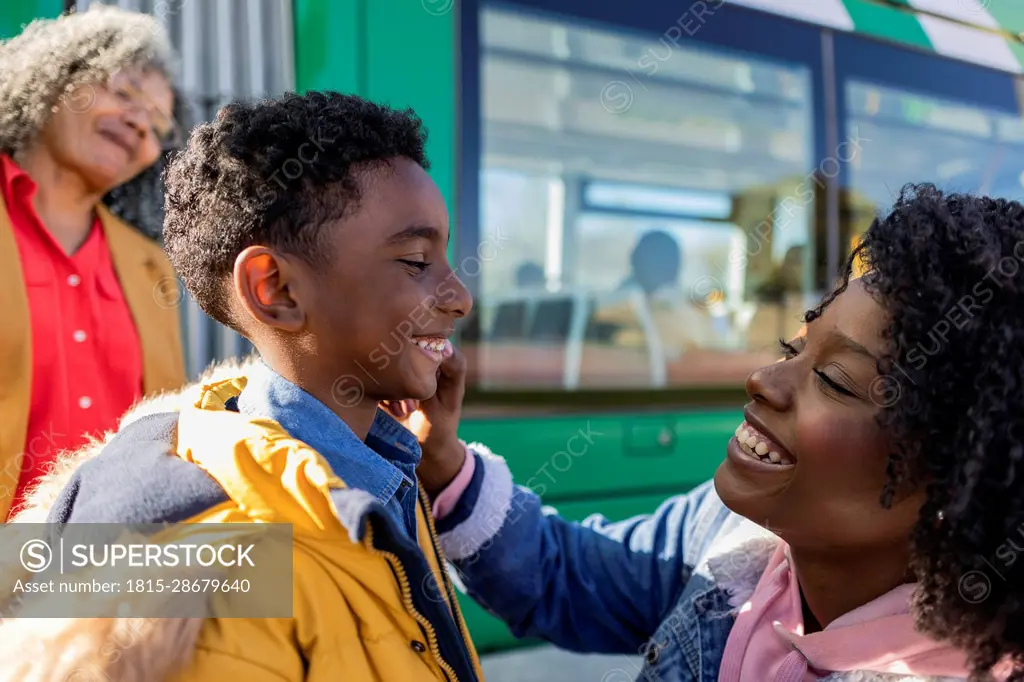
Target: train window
[(910, 137), (655, 219)]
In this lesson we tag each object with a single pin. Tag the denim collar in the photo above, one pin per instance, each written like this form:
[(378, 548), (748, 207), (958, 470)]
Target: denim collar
[(378, 466)]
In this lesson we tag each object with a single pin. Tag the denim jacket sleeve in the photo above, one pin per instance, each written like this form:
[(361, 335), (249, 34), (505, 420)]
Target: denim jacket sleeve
[(594, 586)]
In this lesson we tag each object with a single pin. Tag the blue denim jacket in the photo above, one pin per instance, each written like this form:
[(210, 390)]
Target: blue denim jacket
[(384, 465), (665, 586)]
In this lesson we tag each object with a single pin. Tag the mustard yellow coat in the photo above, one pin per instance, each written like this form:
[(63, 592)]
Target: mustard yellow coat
[(353, 616), (150, 289)]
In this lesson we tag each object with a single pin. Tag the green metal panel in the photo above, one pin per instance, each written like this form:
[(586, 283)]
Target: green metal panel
[(398, 53), (412, 46), (328, 45), (577, 457), (16, 13)]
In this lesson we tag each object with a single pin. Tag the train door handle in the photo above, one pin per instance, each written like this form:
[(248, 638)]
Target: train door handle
[(656, 439)]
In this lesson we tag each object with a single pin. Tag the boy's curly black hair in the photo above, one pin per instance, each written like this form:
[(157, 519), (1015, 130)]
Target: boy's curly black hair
[(275, 173), (949, 271)]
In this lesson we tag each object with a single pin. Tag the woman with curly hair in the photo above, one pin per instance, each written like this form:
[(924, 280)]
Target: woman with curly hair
[(867, 520), (86, 110)]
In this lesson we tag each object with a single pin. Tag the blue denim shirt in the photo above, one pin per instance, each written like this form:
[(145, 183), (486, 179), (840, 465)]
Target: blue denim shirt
[(384, 465)]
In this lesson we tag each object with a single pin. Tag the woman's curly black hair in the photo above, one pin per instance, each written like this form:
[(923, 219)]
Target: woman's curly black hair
[(45, 62), (948, 269)]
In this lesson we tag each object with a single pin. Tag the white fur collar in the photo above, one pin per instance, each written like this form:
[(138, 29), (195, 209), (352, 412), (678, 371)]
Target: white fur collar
[(737, 560), (122, 649)]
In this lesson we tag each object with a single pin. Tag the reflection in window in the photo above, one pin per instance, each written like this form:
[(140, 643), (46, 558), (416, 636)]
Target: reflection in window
[(907, 137), (664, 245)]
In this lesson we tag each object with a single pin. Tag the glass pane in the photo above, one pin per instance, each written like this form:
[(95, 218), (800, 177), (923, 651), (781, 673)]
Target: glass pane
[(655, 210), (908, 137)]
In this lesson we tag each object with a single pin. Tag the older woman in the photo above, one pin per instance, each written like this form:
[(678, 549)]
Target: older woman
[(89, 302)]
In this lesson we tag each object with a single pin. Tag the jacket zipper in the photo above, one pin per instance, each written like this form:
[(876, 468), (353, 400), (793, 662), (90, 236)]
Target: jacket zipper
[(403, 580), (450, 589)]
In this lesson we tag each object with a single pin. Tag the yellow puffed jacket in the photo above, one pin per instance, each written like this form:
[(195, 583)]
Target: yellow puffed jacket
[(368, 604)]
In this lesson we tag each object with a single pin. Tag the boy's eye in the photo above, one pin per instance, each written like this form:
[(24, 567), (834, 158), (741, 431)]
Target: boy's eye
[(418, 264)]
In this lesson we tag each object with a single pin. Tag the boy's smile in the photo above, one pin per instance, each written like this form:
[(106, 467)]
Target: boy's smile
[(437, 348)]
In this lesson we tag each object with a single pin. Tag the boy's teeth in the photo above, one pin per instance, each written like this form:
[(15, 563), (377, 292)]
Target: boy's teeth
[(436, 346)]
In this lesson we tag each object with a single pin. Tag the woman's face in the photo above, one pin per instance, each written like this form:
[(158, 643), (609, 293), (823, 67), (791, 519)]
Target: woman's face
[(109, 133), (816, 410)]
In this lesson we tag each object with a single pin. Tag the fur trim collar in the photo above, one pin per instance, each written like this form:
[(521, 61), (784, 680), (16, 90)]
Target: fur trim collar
[(115, 649), (738, 559)]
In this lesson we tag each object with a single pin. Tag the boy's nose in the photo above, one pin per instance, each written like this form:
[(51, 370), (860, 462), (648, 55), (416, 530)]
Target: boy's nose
[(461, 303)]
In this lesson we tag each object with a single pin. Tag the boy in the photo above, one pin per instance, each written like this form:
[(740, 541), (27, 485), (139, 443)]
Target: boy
[(309, 225)]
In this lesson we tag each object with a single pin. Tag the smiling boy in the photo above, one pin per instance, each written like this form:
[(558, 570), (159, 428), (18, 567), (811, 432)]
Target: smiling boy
[(309, 225)]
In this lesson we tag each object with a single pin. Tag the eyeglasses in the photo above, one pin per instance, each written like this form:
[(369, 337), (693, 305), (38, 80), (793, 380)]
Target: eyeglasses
[(164, 127)]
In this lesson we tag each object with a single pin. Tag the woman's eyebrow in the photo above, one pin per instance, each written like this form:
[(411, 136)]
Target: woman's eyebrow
[(849, 344)]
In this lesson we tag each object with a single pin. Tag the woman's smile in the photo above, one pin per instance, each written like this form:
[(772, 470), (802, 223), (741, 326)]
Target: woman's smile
[(742, 456), (757, 441)]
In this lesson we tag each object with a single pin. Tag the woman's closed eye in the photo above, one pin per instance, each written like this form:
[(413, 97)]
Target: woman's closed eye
[(789, 351), (827, 383), (830, 384)]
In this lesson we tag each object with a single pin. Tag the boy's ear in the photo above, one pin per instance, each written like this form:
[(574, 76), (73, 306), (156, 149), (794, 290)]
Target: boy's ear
[(265, 285)]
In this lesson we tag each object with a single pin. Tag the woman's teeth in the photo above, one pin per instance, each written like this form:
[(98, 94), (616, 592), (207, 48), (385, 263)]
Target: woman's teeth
[(758, 446)]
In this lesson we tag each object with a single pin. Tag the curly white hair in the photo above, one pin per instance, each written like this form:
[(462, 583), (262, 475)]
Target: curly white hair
[(51, 57)]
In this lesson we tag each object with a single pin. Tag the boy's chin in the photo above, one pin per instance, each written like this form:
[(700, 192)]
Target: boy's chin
[(420, 387)]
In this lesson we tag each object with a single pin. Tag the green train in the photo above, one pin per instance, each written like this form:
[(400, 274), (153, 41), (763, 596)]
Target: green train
[(645, 196)]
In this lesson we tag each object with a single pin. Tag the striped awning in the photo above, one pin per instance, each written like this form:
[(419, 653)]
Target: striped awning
[(986, 32)]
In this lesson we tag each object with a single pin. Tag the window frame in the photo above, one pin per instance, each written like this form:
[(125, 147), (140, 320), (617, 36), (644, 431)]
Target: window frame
[(885, 64), (832, 57)]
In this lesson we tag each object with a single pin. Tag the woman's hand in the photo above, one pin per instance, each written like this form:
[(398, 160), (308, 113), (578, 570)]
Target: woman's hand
[(435, 423)]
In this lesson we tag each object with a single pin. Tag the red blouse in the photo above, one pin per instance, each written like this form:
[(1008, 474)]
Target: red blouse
[(86, 355)]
